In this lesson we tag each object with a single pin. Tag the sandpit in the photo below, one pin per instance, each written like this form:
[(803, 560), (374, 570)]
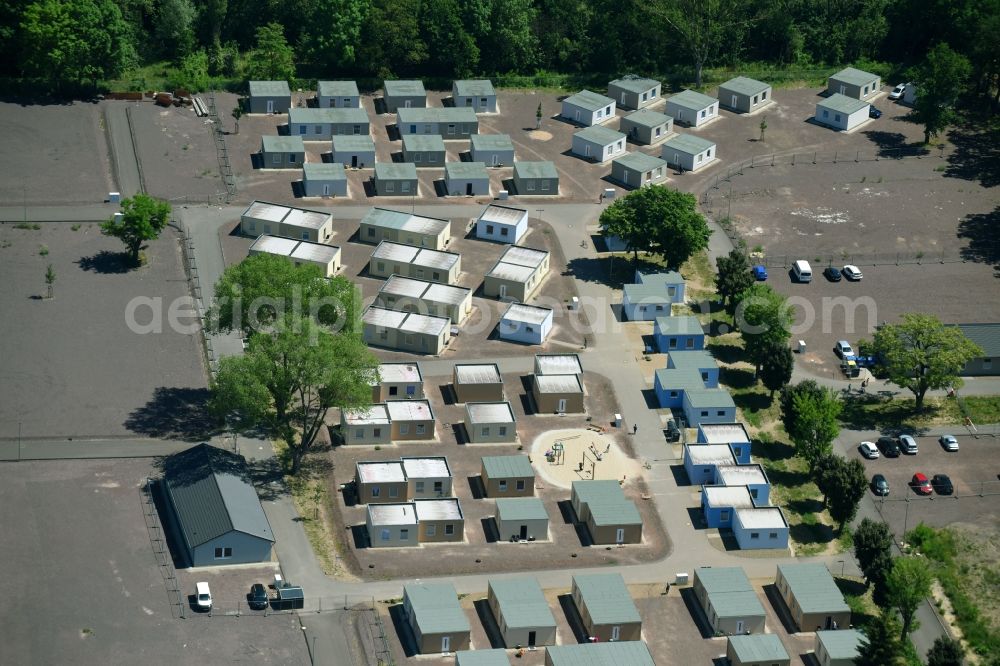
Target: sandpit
[(598, 453), (540, 135)]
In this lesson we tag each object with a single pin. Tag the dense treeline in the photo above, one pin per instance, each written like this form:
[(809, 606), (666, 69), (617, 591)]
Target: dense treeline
[(82, 42)]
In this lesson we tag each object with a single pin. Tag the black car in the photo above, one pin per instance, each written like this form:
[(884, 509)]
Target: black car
[(832, 273), (942, 484), (257, 599), (873, 112), (880, 485), (889, 447)]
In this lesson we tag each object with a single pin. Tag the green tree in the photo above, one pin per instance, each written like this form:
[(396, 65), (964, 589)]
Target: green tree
[(873, 548), (509, 38), (562, 27), (764, 319), (237, 114), (213, 13), (809, 413), (256, 293), (846, 489), (290, 378), (921, 353), (143, 218), (50, 280), (451, 49), (273, 58), (881, 645), (940, 79), (174, 27), (908, 584), (332, 31), (705, 26), (776, 370), (391, 41), (192, 75), (946, 651), (826, 467), (734, 276)]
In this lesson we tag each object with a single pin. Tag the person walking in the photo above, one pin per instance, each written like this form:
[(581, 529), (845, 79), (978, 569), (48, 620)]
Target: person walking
[(635, 428)]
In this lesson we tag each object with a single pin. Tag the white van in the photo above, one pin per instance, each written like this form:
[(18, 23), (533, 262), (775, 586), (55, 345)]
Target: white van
[(802, 270), (203, 596)]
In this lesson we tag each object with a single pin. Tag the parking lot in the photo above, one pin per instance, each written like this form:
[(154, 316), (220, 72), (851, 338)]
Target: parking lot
[(101, 598)]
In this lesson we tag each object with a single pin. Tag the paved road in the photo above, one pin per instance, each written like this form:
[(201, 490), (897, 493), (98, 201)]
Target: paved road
[(123, 156)]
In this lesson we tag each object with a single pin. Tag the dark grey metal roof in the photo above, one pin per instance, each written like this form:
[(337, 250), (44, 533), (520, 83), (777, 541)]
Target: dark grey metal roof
[(986, 336), (212, 495)]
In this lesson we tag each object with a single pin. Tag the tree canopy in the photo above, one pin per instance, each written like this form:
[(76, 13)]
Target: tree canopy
[(881, 645), (809, 413), (873, 548), (764, 319), (908, 584), (143, 218), (776, 370), (946, 651), (940, 79), (272, 57), (733, 276)]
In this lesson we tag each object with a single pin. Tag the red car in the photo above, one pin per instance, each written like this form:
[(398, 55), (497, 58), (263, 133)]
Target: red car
[(921, 484)]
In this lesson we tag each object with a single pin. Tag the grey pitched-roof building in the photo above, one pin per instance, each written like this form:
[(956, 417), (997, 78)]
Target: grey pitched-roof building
[(338, 95), (495, 657), (466, 179), (522, 518), (269, 97), (521, 611), (854, 83), (757, 650), (395, 180), (477, 95), (606, 607), (647, 127), (633, 92), (598, 143), (638, 169), (282, 152), (838, 648), (324, 123), (633, 653), (688, 152), (403, 95), (609, 515), (536, 178), (507, 476), (692, 108), (449, 122), (588, 108), (987, 336), (729, 601), (356, 152), (743, 95), (841, 112), (493, 149), (437, 621), (424, 150), (324, 179), (214, 508), (812, 597)]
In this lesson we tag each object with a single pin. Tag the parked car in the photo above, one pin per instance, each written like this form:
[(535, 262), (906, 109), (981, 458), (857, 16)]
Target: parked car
[(921, 484), (868, 450), (873, 112), (880, 485), (203, 596), (852, 272), (948, 442), (888, 446), (942, 484), (843, 349), (257, 599), (759, 273), (832, 273), (897, 92), (908, 444)]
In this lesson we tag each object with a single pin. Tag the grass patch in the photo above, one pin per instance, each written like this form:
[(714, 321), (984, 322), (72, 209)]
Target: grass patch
[(699, 276), (873, 412), (979, 408), (31, 226)]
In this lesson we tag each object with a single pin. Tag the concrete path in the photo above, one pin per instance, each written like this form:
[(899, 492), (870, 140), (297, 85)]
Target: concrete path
[(96, 212), (123, 155)]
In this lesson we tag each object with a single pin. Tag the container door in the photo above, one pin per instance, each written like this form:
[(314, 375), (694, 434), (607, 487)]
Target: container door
[(620, 535), (616, 633), (739, 626), (496, 160), (270, 106), (561, 407), (326, 190), (406, 104), (734, 102), (532, 637), (354, 161), (524, 535), (446, 644), (623, 99)]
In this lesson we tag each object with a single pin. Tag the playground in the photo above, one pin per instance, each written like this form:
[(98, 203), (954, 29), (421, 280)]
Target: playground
[(580, 454)]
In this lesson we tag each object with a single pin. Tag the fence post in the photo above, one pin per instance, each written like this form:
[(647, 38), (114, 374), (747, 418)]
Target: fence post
[(751, 161), (857, 158), (814, 158), (793, 159), (772, 159), (835, 154)]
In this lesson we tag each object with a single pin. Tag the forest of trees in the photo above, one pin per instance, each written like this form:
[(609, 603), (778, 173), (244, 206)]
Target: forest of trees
[(76, 43)]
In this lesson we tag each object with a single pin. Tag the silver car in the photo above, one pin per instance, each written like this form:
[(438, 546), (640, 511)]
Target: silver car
[(908, 444), (948, 442)]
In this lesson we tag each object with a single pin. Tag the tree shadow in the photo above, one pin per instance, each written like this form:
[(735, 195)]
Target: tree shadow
[(977, 154), (106, 262), (753, 402), (175, 413), (890, 417), (727, 353), (805, 506), (982, 231), (893, 144), (772, 450), (817, 533), (738, 378)]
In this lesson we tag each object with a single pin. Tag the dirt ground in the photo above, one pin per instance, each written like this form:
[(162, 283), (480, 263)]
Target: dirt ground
[(56, 153)]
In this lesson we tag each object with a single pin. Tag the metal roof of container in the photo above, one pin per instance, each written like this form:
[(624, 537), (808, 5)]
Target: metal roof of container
[(424, 324), (410, 410), (282, 144), (681, 325), (395, 171), (639, 162), (736, 604), (498, 214), (306, 219), (397, 373), (510, 272), (323, 171), (535, 170), (606, 491), (842, 104), (699, 359), (478, 373), (524, 256), (426, 467), (316, 252), (402, 513), (423, 143), (741, 475), (436, 259), (274, 245), (521, 601), (448, 508), (710, 398), (742, 85), (558, 364), (394, 219), (728, 496), (403, 286), (660, 278), (710, 454), (758, 647), (521, 508), (491, 142), (270, 89), (632, 653), (688, 143), (465, 170), (648, 118), (264, 210), (436, 114), (619, 513), (813, 588), (671, 379), (607, 598), (648, 294), (395, 251), (987, 336), (494, 657), (328, 115), (723, 433), (691, 99), (337, 89), (841, 643), (473, 88), (372, 415), (856, 77), (376, 316), (528, 314), (589, 100), (446, 294), (635, 84), (764, 517), (355, 142), (507, 467), (599, 134), (435, 608), (558, 384), (403, 88), (380, 472), (717, 580)]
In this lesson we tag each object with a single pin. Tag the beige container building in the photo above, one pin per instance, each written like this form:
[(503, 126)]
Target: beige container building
[(380, 482), (411, 420), (440, 520), (606, 608), (381, 224), (425, 297), (557, 394), (517, 275), (427, 477), (477, 382), (398, 381), (366, 426), (435, 617), (813, 598), (508, 476), (421, 263), (490, 423), (263, 217), (300, 252), (406, 331), (521, 611)]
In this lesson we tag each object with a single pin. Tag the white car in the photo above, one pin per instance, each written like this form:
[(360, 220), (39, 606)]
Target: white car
[(908, 444), (949, 442), (852, 273), (869, 450), (897, 92), (203, 596), (844, 349)]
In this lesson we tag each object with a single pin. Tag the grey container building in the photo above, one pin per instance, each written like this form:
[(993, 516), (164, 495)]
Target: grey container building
[(633, 653), (494, 657), (647, 127), (269, 97), (558, 364), (422, 263), (757, 650), (352, 151), (522, 518), (743, 95), (588, 108), (987, 336), (404, 95), (838, 648), (411, 420), (854, 83), (448, 122), (324, 124), (437, 621), (492, 149), (632, 92), (536, 178), (406, 331), (477, 95), (424, 150), (324, 179), (490, 423), (841, 112), (214, 509), (692, 108), (395, 180), (814, 600), (688, 152), (638, 169), (606, 608), (338, 95), (508, 476), (381, 224), (466, 179), (521, 611), (729, 601), (282, 152), (598, 144), (392, 525)]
